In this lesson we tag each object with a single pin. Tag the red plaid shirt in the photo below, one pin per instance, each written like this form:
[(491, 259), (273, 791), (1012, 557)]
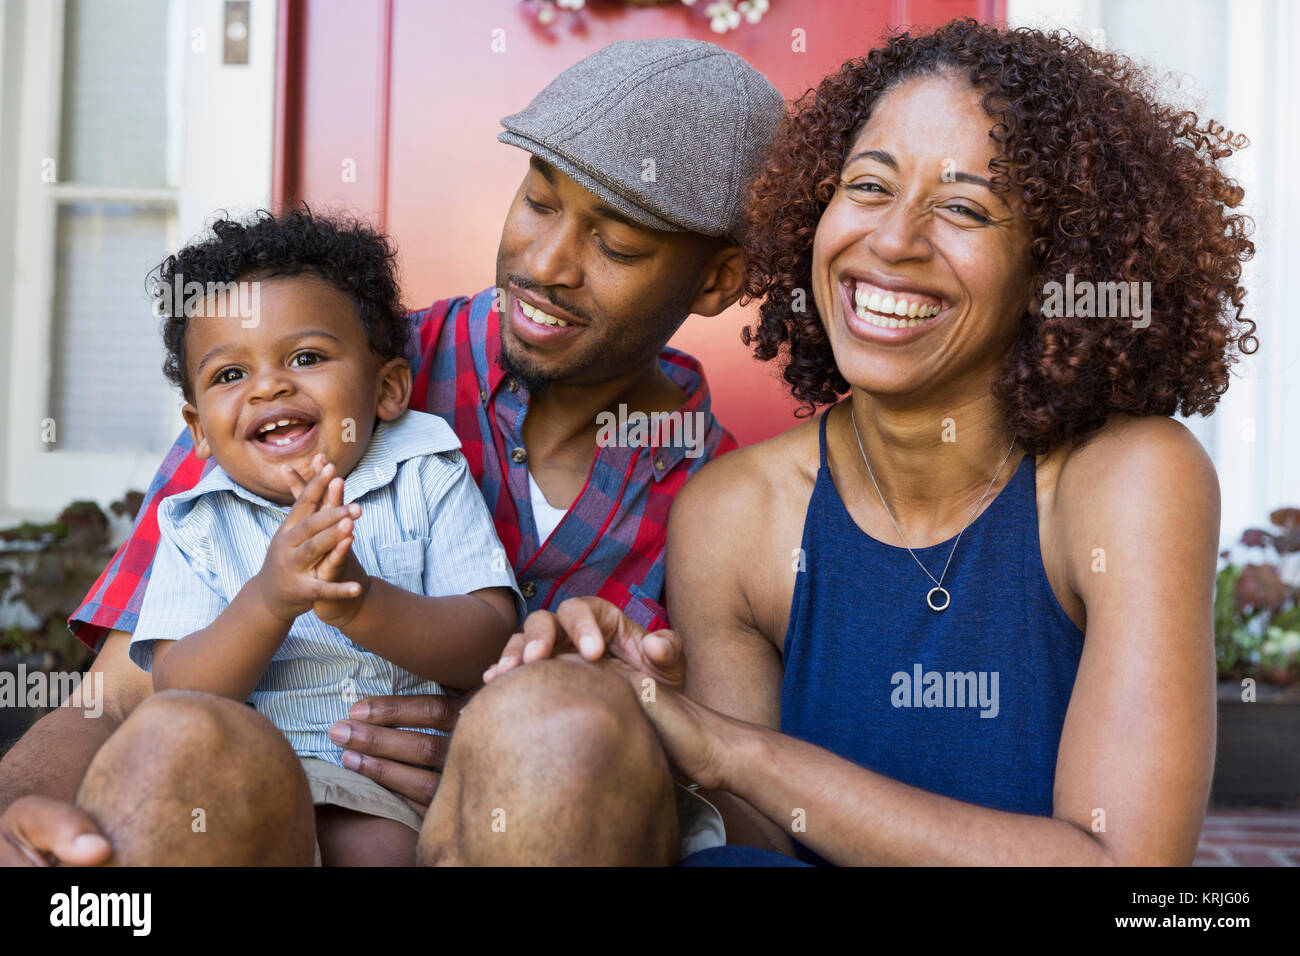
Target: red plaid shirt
[(610, 542)]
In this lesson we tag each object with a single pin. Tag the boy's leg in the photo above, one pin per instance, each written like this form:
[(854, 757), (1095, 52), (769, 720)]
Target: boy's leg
[(553, 763), (194, 779), (349, 838)]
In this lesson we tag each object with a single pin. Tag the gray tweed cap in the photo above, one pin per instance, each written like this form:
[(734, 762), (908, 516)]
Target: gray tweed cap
[(668, 132)]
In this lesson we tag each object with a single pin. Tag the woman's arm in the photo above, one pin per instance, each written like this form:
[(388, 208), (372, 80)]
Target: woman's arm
[(1137, 748), (713, 544)]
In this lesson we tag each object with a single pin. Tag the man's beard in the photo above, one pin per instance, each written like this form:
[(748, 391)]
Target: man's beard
[(524, 371)]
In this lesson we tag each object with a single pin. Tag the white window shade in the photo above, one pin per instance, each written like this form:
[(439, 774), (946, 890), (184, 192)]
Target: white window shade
[(114, 120), (108, 392)]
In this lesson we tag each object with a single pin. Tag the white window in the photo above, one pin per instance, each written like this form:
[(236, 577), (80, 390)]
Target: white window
[(128, 133), (1235, 63)]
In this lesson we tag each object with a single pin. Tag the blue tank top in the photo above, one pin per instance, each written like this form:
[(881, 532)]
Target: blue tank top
[(967, 702)]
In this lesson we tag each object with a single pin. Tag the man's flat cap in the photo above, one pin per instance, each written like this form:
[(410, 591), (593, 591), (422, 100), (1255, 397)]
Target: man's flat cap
[(668, 132)]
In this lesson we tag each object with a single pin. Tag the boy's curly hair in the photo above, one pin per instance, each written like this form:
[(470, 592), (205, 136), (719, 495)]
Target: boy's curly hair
[(347, 253), (1115, 187)]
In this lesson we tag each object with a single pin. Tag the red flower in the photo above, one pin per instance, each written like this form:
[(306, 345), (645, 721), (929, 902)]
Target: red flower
[(1255, 538), (1260, 587)]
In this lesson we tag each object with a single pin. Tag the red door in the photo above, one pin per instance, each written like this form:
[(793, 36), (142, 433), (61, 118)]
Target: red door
[(390, 109)]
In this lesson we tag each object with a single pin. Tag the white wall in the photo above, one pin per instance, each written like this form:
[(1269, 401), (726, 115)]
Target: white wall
[(1235, 63), (221, 158)]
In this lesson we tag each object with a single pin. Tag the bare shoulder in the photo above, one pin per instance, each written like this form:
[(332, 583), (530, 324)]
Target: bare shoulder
[(734, 524), (757, 476), (1143, 480), (1135, 460)]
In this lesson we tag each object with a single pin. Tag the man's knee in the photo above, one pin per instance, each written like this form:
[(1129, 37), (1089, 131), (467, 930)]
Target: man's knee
[(570, 716), (191, 777), (561, 752)]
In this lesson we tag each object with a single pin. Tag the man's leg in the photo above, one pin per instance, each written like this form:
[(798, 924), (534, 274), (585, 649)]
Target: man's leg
[(195, 779), (553, 763)]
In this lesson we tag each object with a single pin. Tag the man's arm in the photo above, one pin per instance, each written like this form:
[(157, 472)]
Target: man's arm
[(40, 775), (52, 756)]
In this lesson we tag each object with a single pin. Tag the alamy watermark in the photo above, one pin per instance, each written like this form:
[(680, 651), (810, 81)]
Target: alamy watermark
[(657, 430), (922, 688), (1101, 300), (230, 299), (130, 910), (39, 689)]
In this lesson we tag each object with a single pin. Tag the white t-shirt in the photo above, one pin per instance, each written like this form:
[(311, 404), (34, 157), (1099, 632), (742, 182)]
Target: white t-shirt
[(545, 514)]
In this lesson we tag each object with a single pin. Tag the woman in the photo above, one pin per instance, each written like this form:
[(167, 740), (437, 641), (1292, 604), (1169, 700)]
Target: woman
[(964, 616)]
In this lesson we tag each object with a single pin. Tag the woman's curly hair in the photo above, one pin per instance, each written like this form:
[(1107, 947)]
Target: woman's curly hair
[(1115, 187), (347, 253)]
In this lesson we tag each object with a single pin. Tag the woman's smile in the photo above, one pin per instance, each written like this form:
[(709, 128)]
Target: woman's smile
[(887, 316)]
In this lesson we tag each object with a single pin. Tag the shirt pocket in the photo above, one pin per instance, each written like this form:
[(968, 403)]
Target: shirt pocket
[(402, 564), (645, 610)]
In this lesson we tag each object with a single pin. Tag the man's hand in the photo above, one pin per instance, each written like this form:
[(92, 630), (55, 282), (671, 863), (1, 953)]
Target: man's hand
[(592, 626), (340, 565), (38, 831), (374, 746), (312, 533)]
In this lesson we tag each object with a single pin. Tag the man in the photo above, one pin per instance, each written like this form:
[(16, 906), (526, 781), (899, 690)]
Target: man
[(626, 222)]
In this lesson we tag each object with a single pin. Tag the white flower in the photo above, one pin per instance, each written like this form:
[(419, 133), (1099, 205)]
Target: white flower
[(570, 4), (545, 13)]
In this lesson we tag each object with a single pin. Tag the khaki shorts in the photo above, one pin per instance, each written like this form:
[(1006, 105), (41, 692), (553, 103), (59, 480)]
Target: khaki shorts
[(340, 787), (699, 822)]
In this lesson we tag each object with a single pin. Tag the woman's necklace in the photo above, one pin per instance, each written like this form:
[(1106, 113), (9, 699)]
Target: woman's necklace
[(938, 592)]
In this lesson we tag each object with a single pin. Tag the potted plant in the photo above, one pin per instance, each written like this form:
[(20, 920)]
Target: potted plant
[(45, 572), (1257, 644)]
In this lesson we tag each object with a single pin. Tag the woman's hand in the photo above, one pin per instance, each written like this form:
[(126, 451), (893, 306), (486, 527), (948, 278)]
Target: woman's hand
[(592, 627), (693, 736)]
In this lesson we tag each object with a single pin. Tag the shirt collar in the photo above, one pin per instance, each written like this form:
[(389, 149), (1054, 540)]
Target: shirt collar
[(496, 374), (688, 375), (411, 435)]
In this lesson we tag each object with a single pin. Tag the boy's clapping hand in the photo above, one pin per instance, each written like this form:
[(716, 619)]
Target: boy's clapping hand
[(340, 565), (313, 543)]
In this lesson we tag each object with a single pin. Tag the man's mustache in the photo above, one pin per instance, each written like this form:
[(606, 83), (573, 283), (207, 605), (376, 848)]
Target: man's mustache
[(530, 286)]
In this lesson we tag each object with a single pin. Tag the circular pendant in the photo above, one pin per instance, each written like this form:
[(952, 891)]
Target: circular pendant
[(930, 598)]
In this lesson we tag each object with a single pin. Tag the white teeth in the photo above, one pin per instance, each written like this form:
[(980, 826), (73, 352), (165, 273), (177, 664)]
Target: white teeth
[(540, 317), (891, 312), (271, 426), (899, 306), (887, 322)]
